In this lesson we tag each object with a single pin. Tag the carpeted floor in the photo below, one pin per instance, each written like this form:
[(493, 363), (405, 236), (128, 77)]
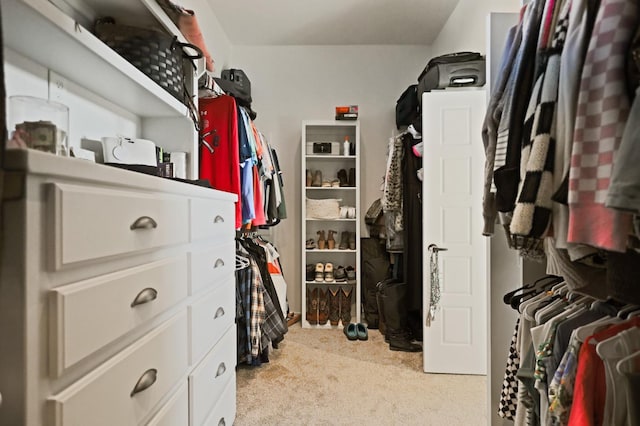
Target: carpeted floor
[(318, 377)]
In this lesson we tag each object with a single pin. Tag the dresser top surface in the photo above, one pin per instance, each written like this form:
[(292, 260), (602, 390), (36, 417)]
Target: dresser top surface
[(48, 165)]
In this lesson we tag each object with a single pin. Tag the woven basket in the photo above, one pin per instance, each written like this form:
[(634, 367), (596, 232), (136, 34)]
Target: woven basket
[(323, 209), (158, 55)]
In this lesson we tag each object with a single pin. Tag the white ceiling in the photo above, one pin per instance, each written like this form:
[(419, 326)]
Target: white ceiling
[(332, 22)]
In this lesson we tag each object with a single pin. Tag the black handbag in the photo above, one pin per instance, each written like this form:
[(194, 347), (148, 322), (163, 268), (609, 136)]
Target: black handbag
[(158, 55), (236, 83), (407, 108)]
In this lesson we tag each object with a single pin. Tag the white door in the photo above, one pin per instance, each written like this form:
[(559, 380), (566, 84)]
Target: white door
[(455, 339)]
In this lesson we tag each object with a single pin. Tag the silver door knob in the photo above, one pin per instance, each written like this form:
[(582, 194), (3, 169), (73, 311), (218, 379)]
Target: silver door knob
[(435, 248)]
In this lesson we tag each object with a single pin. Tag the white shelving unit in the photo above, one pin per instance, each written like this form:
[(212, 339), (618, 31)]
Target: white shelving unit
[(329, 165), (81, 58)]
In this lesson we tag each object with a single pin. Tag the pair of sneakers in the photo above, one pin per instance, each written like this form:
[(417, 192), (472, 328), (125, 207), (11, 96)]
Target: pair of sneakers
[(347, 212), (324, 272)]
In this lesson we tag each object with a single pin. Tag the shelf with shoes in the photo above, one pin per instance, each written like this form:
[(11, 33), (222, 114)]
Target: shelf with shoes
[(330, 226)]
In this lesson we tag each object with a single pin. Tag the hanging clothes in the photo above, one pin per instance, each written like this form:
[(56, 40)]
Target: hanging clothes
[(532, 213), (490, 128), (517, 93), (412, 219), (235, 157), (562, 155), (259, 312), (566, 351), (221, 165), (597, 138), (392, 196)]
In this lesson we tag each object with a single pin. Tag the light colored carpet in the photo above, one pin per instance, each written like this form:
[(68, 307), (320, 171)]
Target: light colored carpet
[(318, 377)]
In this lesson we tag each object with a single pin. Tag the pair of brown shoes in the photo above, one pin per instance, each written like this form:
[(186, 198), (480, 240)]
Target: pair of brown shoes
[(329, 242), (339, 305), (347, 240), (313, 178), (317, 306), (333, 305)]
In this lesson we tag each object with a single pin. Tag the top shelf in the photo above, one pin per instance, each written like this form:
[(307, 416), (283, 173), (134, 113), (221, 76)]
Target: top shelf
[(31, 27), (330, 123), (329, 157)]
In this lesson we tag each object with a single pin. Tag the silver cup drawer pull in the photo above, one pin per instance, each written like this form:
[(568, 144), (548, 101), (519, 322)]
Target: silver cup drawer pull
[(219, 313), (219, 263), (222, 422), (144, 222), (145, 381), (221, 369), (218, 219), (145, 296)]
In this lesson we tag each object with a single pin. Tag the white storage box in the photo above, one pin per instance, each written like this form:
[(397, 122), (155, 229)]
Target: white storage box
[(323, 209)]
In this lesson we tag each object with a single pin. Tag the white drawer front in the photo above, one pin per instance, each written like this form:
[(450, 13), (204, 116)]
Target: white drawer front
[(209, 317), (91, 223), (175, 412), (208, 380), (107, 396), (224, 414), (211, 267), (212, 219), (88, 314)]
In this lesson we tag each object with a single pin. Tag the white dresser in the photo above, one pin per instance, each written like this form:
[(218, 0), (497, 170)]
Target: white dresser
[(117, 297)]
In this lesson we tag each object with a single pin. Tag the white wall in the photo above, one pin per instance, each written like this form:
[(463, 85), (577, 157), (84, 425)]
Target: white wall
[(466, 28), (295, 83)]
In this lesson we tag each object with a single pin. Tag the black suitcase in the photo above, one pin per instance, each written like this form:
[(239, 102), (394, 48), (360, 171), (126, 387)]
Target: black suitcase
[(459, 69)]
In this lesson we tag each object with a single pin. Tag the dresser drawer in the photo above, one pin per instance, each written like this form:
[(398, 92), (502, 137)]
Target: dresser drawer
[(208, 380), (91, 223), (212, 219), (88, 314), (175, 412), (125, 389), (224, 413), (211, 266), (209, 317)]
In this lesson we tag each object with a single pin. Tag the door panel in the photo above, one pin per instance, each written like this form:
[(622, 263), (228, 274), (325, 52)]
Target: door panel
[(455, 339)]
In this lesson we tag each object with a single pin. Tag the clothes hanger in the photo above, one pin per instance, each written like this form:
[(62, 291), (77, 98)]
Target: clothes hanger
[(533, 300), (583, 333), (534, 288), (626, 310), (507, 297), (633, 314), (552, 309), (629, 364), (615, 346), (241, 262), (607, 307)]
